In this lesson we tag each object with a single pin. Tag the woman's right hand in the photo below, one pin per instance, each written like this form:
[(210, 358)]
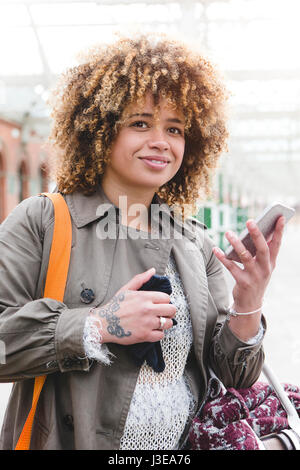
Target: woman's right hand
[(132, 316)]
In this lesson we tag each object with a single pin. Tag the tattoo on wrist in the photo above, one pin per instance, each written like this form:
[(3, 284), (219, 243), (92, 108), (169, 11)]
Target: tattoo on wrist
[(113, 321)]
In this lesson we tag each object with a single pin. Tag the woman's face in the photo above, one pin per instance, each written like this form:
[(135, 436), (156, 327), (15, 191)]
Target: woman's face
[(147, 153)]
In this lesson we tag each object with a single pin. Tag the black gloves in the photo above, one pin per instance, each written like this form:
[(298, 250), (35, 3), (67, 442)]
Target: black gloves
[(151, 352)]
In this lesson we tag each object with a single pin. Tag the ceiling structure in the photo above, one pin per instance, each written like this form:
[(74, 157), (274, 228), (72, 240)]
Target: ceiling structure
[(254, 42)]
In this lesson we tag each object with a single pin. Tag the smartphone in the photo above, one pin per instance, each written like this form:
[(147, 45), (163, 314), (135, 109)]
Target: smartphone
[(266, 223)]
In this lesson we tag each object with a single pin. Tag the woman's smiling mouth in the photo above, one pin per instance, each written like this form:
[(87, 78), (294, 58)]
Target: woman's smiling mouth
[(157, 163)]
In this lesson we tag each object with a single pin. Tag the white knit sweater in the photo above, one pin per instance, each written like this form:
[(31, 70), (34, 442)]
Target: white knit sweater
[(161, 402)]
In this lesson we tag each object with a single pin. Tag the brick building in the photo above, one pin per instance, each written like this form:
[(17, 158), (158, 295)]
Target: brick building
[(23, 166)]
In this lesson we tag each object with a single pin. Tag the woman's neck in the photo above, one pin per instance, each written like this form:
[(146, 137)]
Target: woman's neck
[(134, 203)]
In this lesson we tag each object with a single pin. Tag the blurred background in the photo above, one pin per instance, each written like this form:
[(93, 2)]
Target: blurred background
[(253, 42)]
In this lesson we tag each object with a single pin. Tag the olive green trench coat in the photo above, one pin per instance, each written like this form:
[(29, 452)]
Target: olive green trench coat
[(84, 404)]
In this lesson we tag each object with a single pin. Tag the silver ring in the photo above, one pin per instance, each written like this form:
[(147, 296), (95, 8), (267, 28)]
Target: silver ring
[(162, 321)]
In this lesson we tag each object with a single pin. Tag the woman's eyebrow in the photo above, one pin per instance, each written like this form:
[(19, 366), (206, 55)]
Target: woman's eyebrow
[(149, 115), (141, 114)]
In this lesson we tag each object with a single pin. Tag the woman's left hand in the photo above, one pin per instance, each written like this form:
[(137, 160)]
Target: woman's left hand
[(253, 278)]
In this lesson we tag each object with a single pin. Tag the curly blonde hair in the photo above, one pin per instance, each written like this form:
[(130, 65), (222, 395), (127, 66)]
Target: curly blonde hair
[(89, 101)]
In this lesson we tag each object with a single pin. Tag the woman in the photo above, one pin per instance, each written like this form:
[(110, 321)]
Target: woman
[(141, 119)]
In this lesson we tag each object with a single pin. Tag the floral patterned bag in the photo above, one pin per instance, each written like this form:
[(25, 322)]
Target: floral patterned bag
[(233, 419)]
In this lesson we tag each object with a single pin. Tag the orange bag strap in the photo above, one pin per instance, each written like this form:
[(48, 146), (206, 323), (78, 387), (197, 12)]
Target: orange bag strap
[(54, 288)]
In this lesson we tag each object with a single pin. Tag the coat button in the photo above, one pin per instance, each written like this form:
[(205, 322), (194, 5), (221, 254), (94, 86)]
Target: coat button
[(87, 296), (67, 362), (69, 422)]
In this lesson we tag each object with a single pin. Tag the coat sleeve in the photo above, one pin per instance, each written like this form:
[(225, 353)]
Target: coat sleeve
[(236, 363), (37, 335)]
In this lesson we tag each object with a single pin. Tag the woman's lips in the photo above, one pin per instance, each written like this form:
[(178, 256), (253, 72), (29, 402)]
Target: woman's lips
[(156, 165)]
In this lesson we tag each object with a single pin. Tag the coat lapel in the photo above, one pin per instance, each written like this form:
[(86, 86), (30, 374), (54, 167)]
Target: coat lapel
[(191, 268)]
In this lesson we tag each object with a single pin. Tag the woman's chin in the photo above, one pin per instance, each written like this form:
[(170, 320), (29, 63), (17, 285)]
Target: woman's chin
[(150, 181)]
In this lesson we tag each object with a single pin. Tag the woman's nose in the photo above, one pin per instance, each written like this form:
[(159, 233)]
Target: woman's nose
[(158, 140)]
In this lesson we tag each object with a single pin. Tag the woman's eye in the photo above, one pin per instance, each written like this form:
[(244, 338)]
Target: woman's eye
[(141, 124), (175, 130)]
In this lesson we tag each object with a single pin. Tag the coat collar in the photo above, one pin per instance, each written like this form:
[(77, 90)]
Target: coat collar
[(86, 209)]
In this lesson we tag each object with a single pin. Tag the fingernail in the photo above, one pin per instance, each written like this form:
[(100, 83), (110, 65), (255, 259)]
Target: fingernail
[(252, 224), (231, 234), (174, 322)]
